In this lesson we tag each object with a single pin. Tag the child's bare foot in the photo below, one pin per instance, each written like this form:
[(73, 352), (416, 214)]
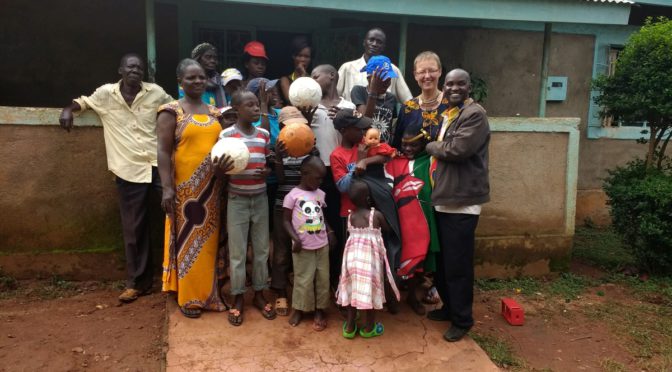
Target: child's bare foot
[(416, 305), (295, 319), (320, 321)]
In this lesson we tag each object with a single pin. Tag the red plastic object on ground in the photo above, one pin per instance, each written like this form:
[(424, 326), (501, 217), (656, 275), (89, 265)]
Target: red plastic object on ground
[(512, 312)]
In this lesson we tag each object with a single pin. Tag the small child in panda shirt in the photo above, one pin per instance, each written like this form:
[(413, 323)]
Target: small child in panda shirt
[(303, 219)]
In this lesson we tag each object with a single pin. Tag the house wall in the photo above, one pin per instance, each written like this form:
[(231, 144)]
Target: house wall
[(510, 61), (53, 51), (59, 199), (507, 55)]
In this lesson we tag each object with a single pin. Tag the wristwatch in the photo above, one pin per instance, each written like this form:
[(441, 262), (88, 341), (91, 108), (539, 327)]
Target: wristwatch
[(377, 96)]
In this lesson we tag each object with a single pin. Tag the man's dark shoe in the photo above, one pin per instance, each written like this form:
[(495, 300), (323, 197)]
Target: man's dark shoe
[(439, 315), (455, 333)]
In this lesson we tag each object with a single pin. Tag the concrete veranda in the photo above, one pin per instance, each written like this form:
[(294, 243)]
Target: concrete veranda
[(410, 343)]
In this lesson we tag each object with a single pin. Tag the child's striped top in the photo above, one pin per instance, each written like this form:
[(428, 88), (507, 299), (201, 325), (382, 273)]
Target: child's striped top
[(258, 143)]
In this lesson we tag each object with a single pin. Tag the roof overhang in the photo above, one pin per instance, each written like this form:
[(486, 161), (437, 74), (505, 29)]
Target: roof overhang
[(567, 11), (655, 2)]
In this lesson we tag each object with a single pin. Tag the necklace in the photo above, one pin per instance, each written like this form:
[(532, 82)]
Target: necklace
[(431, 102)]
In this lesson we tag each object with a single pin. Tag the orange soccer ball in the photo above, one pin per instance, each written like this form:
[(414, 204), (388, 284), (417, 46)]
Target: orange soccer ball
[(298, 138)]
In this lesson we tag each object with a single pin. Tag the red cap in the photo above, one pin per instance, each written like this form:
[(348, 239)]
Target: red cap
[(255, 49)]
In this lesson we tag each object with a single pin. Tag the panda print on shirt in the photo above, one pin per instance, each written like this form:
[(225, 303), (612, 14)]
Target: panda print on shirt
[(311, 214), (308, 216)]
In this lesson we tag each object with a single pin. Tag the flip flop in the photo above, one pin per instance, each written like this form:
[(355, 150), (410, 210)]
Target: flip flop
[(235, 317), (281, 306), (190, 313), (377, 330), (267, 311), (350, 335)]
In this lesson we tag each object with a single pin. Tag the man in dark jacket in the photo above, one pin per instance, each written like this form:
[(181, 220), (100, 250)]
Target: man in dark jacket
[(461, 186)]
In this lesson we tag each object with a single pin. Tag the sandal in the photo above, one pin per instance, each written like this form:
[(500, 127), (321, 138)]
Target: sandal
[(267, 311), (190, 313), (350, 335), (235, 317), (377, 330), (281, 307)]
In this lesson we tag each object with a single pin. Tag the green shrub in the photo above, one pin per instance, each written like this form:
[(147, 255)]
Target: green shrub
[(639, 90), (641, 211)]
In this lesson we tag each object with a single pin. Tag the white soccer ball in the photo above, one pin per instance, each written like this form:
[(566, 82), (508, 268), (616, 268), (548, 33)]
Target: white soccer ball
[(305, 92), (236, 149)]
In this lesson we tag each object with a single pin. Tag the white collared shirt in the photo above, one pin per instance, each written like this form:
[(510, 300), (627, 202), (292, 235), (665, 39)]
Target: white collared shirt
[(350, 75), (129, 131), (327, 138)]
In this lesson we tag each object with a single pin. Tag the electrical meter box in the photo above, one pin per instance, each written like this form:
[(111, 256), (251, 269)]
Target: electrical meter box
[(556, 88)]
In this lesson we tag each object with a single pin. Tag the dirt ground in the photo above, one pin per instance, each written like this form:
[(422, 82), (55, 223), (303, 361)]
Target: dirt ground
[(605, 326), (559, 337), (65, 326)]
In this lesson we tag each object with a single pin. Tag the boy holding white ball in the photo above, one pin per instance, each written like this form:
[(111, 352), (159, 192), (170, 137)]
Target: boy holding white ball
[(248, 208)]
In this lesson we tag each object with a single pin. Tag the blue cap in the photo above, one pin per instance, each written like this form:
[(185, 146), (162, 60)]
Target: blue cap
[(382, 63), (253, 85)]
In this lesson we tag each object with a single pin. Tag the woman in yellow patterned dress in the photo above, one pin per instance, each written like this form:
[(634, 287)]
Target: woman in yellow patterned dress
[(187, 129)]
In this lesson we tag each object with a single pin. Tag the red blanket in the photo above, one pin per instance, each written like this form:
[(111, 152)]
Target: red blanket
[(414, 228)]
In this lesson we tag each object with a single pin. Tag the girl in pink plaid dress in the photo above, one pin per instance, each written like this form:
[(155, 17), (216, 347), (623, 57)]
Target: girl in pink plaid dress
[(361, 285)]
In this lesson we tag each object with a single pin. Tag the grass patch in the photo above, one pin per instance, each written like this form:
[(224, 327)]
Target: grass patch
[(655, 290), (610, 365), (569, 286), (8, 285), (602, 248), (56, 287), (525, 285), (566, 286), (646, 329), (499, 351)]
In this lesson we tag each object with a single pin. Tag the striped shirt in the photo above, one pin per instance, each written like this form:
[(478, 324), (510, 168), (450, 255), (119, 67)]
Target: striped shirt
[(291, 167), (258, 143)]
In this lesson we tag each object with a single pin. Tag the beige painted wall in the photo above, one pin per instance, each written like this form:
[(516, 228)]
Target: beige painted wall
[(57, 192), (61, 198), (527, 172)]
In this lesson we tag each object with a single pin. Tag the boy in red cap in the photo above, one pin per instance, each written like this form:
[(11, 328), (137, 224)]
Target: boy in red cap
[(254, 60)]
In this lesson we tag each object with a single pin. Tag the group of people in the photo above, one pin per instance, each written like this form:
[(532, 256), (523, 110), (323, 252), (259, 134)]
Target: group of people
[(340, 218)]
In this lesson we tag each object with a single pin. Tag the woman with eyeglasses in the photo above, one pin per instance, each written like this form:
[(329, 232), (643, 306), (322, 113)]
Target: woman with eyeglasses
[(429, 105), (422, 114)]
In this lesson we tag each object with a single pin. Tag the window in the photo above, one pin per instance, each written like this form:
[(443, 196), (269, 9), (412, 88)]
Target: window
[(229, 43), (610, 121)]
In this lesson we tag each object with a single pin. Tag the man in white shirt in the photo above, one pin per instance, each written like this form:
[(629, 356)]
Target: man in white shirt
[(327, 138), (350, 73), (127, 110)]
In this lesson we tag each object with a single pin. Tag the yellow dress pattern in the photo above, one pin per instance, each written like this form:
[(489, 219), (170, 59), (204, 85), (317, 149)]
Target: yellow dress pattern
[(191, 243)]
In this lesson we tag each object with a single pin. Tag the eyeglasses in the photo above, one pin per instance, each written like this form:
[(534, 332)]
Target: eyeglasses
[(430, 72)]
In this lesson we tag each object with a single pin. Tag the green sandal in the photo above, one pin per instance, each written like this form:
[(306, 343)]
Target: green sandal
[(377, 330), (350, 335)]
